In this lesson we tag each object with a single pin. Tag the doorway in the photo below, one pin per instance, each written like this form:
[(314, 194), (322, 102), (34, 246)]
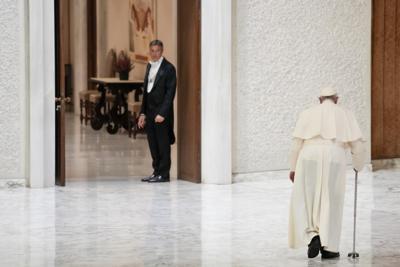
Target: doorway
[(187, 102), (189, 92)]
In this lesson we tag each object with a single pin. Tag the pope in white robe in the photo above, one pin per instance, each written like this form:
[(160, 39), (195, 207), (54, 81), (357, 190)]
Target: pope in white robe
[(318, 170)]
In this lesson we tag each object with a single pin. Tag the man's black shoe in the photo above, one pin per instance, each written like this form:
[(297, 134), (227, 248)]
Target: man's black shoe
[(325, 254), (146, 179), (158, 179), (314, 247)]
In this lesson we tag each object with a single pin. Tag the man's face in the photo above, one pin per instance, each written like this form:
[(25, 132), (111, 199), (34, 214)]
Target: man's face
[(155, 52)]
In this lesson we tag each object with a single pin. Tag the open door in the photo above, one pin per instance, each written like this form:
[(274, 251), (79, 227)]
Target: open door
[(62, 68), (189, 75), (63, 81)]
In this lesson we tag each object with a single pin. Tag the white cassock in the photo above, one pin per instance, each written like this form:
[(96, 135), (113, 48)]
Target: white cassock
[(318, 156)]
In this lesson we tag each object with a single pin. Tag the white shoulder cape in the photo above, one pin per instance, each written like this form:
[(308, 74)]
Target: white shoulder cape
[(329, 121)]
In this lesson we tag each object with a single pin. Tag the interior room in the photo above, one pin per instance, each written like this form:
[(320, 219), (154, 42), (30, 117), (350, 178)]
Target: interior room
[(92, 36)]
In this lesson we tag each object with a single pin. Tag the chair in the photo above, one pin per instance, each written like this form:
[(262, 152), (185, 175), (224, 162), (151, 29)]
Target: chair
[(94, 98), (84, 104), (134, 107)]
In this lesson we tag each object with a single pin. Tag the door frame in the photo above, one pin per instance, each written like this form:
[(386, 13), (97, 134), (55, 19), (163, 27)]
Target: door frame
[(189, 90), (216, 73), (384, 81), (41, 93)]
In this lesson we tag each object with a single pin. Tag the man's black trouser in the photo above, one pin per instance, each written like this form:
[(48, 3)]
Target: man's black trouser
[(159, 143)]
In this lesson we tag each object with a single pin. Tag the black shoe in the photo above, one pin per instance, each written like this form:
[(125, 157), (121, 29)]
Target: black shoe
[(146, 179), (325, 254), (314, 247), (159, 179)]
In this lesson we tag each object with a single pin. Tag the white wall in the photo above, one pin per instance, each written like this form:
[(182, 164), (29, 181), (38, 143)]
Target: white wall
[(13, 107), (113, 31), (284, 52), (167, 28)]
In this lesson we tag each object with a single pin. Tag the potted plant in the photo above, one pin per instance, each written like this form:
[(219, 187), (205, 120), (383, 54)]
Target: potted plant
[(123, 65)]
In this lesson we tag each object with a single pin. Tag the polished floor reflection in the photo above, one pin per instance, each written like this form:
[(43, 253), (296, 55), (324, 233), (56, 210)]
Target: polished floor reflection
[(97, 154), (123, 222)]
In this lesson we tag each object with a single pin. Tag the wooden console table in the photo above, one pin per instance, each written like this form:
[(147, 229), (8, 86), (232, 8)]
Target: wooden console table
[(118, 115)]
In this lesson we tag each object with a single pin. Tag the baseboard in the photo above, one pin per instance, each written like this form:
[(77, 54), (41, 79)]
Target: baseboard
[(380, 164), (12, 183), (279, 174), (259, 176)]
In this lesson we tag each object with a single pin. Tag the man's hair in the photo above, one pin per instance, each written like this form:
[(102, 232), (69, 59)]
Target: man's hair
[(156, 42), (331, 97)]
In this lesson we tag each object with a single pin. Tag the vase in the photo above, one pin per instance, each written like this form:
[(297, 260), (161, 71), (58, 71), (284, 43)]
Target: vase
[(124, 75)]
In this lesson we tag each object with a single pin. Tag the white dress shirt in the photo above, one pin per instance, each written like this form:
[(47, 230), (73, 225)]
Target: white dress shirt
[(155, 66)]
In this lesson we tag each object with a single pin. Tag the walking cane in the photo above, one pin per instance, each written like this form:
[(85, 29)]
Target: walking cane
[(354, 254)]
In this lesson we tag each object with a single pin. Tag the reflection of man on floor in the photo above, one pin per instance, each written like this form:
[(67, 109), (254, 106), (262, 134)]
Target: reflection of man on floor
[(157, 112), (318, 170)]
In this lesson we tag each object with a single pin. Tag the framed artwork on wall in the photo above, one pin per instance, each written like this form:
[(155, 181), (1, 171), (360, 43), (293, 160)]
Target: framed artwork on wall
[(142, 28)]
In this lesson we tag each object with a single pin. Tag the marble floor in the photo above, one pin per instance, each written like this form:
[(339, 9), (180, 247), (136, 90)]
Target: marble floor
[(123, 222), (106, 217)]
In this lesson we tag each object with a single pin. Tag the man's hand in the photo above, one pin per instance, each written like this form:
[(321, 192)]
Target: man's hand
[(142, 121), (291, 176), (159, 119)]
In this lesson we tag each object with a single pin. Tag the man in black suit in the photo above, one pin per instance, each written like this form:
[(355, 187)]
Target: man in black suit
[(157, 112)]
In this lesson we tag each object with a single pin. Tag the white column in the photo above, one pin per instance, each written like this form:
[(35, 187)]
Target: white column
[(216, 42), (101, 34), (79, 49), (41, 93)]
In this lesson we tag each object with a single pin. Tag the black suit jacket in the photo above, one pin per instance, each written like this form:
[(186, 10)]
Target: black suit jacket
[(161, 98)]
